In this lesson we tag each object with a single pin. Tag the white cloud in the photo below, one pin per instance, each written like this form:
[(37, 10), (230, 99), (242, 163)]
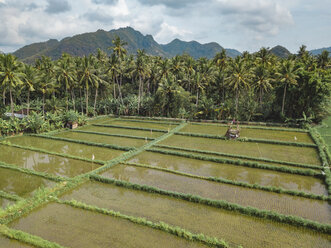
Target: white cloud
[(168, 33)]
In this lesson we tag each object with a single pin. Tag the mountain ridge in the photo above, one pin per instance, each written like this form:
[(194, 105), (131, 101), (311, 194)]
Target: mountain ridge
[(87, 43)]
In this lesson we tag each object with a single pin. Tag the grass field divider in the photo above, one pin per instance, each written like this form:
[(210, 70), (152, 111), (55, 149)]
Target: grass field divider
[(40, 197), (251, 126), (245, 139), (130, 154), (174, 230), (149, 121), (249, 211), (321, 146), (176, 120), (27, 238), (132, 128), (236, 183), (54, 153), (10, 196), (114, 135), (304, 172), (308, 166), (116, 147), (32, 172)]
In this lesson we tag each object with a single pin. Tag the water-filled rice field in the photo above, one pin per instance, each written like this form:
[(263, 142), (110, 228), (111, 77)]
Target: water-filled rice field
[(77, 192)]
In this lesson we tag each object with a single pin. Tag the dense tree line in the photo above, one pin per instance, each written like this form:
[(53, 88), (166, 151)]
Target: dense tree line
[(258, 87)]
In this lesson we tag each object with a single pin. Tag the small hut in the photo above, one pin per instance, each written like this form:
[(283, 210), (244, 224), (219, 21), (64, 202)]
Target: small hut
[(233, 133)]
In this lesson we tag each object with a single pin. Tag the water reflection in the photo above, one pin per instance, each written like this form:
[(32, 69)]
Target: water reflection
[(233, 172), (45, 163), (20, 183)]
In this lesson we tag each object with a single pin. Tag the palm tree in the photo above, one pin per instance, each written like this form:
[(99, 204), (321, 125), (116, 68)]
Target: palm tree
[(323, 59), (10, 76), (287, 75), (239, 77), (262, 80), (65, 72), (30, 79), (220, 61), (89, 77), (141, 70)]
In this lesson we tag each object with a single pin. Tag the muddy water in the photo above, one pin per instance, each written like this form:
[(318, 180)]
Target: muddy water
[(74, 227), (305, 155), (20, 183), (12, 243), (285, 204), (142, 124), (79, 150), (4, 203), (45, 163), (103, 139), (123, 131), (234, 228), (233, 172), (251, 133)]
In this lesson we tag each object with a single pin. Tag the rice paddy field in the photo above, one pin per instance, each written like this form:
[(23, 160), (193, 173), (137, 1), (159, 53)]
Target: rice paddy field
[(120, 182)]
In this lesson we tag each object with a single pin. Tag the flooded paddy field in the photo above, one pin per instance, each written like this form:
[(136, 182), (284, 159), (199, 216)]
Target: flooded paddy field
[(43, 162), (233, 172), (285, 204), (74, 149), (214, 129), (233, 227), (120, 141), (21, 184), (305, 155), (123, 131), (72, 226), (156, 125)]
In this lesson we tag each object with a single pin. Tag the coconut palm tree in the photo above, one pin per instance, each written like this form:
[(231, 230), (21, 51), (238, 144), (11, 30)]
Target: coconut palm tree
[(262, 80), (65, 74), (287, 74), (30, 81), (10, 76), (239, 78)]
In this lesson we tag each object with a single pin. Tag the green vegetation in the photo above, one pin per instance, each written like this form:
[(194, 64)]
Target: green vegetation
[(250, 87)]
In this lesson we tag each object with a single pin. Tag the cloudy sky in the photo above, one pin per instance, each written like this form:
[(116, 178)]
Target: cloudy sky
[(239, 24)]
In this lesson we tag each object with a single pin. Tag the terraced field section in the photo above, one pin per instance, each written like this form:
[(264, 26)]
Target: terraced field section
[(126, 182)]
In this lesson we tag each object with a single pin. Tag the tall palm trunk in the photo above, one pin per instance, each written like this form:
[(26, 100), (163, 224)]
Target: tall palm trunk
[(11, 102), (81, 101), (4, 97), (284, 95), (197, 101), (237, 102), (139, 93), (28, 103), (43, 104), (95, 99), (73, 99), (86, 97)]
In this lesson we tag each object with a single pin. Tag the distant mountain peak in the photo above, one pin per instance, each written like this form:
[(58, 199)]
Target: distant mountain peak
[(87, 43), (280, 51)]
